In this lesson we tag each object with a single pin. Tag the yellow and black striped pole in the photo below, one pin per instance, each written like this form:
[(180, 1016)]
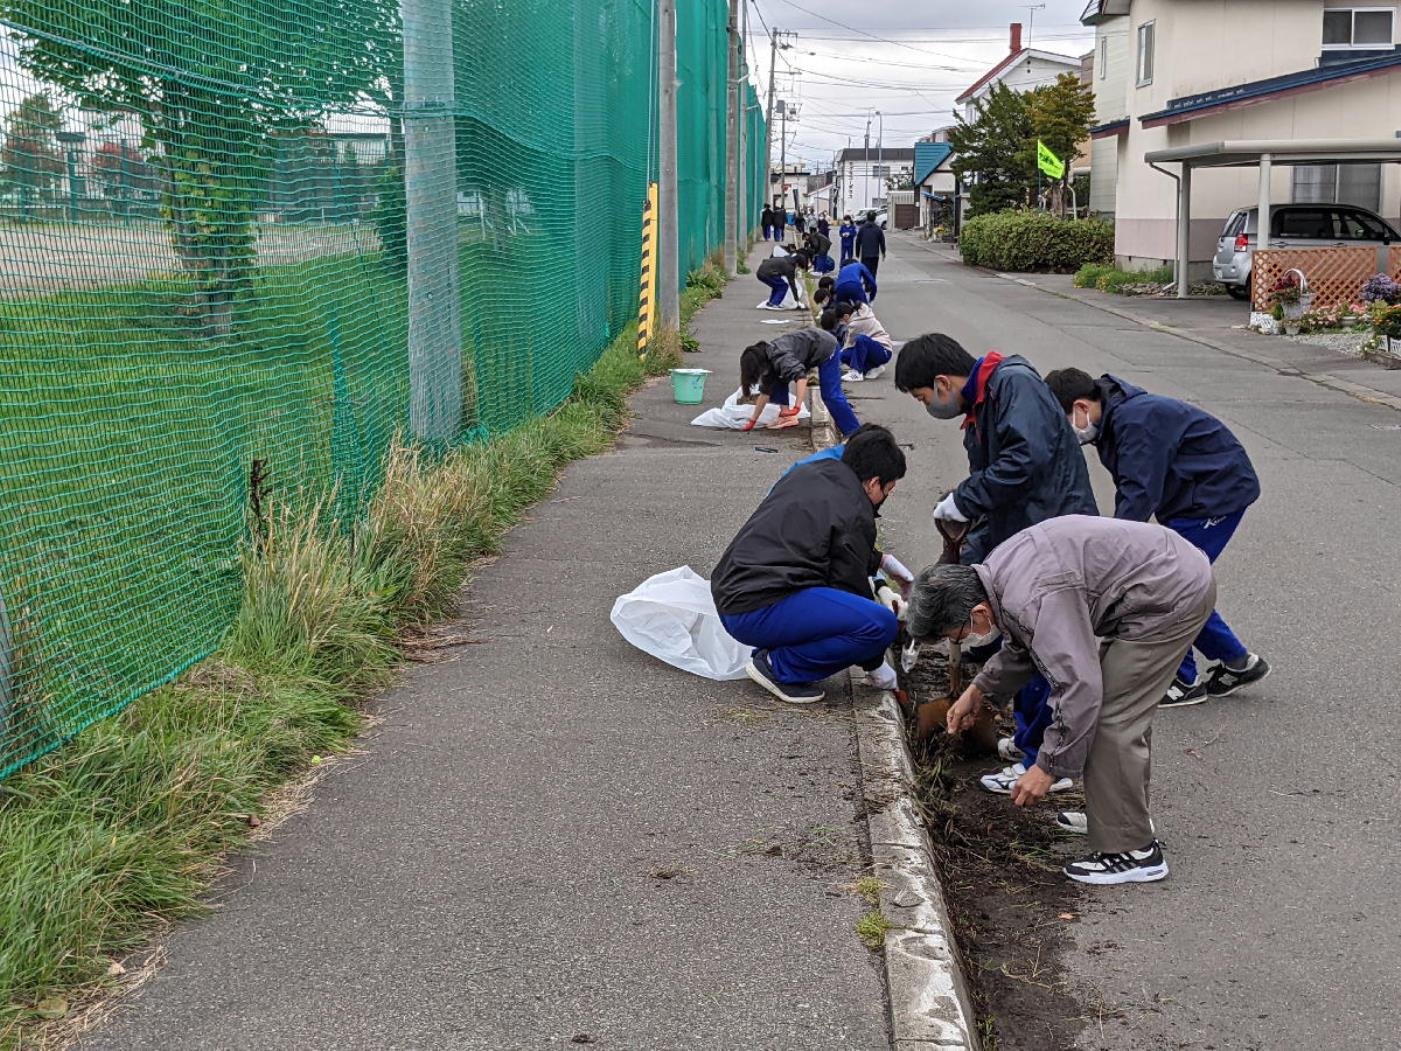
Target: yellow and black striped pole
[(647, 301)]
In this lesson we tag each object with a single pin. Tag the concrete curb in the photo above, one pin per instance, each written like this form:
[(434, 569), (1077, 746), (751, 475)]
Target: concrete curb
[(929, 1002)]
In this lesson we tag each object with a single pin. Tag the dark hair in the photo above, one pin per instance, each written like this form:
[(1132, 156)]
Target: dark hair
[(836, 313), (846, 218), (942, 600), (1072, 385), (821, 296), (871, 216), (829, 319), (872, 453), (755, 369), (826, 281), (804, 259), (924, 357)]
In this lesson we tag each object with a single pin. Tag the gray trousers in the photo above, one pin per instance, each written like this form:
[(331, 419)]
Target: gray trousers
[(1136, 675)]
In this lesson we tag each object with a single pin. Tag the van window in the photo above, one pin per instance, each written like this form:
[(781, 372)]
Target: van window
[(1359, 226), (1311, 224), (1234, 225)]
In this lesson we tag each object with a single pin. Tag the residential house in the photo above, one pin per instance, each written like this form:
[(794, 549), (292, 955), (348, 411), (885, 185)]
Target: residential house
[(1023, 69), (861, 177), (1178, 73), (785, 179), (935, 181)]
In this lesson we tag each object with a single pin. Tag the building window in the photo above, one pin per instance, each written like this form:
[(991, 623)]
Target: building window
[(1358, 27), (1357, 184), (880, 171), (1103, 56), (1146, 33)]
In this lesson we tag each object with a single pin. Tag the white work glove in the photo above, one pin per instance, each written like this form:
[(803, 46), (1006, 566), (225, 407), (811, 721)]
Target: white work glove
[(948, 511), (909, 656), (890, 600), (897, 570), (883, 678)]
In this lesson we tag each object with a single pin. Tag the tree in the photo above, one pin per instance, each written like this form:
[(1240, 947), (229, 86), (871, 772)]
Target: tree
[(990, 151), (123, 171), (211, 97), (1061, 114), (30, 159)]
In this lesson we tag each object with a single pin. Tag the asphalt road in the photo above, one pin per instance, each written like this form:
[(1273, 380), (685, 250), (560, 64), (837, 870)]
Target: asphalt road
[(1280, 927)]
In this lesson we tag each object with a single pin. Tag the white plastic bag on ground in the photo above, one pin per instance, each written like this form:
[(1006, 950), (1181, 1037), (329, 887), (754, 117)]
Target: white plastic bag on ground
[(733, 416), (672, 617)]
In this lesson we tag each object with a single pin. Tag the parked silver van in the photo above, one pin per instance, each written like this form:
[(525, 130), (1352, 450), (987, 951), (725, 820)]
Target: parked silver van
[(1292, 226)]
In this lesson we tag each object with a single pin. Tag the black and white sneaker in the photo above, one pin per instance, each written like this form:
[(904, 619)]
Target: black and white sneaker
[(761, 672), (1076, 822), (1183, 694), (1134, 866), (1224, 681)]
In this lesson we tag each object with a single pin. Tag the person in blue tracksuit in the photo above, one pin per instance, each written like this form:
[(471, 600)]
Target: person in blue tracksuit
[(795, 583), (1025, 466), (855, 283), (1179, 464), (780, 274), (769, 367), (847, 233), (780, 219)]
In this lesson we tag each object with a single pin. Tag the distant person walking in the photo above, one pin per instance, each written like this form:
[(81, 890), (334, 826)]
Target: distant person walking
[(870, 243), (766, 218), (780, 220), (847, 233)]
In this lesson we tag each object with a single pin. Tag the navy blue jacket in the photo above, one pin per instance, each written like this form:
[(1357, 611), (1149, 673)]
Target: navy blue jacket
[(870, 240), (1170, 460), (854, 283), (1024, 462)]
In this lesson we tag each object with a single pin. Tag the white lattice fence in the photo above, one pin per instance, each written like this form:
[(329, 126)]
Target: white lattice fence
[(1335, 275)]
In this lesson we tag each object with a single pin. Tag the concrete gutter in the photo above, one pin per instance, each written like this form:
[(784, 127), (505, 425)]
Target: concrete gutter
[(930, 1006)]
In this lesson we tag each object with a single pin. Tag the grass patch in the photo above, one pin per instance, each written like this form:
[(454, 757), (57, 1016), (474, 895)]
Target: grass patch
[(118, 833), (868, 889), (1111, 279), (871, 929)]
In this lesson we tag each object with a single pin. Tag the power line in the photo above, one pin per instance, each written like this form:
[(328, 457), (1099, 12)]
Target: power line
[(862, 32)]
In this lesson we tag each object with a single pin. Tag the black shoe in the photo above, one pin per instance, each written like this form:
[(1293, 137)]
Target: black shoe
[(1135, 866), (761, 672), (1183, 695), (1224, 681)]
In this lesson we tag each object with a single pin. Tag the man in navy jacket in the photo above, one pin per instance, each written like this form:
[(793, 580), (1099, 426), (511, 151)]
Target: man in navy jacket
[(1176, 463), (1024, 466)]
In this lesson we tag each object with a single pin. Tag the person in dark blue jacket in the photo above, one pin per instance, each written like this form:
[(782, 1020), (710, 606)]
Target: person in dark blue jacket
[(855, 284), (870, 243), (1024, 466), (847, 232), (1179, 464)]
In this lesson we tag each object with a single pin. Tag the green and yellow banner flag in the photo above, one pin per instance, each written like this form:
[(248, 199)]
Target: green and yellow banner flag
[(1048, 162)]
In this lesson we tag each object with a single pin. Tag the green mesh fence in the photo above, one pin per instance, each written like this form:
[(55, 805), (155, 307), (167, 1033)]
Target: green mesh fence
[(245, 242)]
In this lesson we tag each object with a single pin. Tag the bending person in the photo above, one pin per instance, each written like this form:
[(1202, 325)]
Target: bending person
[(780, 273), (767, 368)]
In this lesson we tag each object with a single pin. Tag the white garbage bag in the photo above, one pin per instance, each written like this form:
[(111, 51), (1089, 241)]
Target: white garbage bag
[(733, 416), (672, 617)]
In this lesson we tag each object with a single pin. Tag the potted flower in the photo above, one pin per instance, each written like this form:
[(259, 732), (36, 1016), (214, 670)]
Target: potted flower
[(1381, 289), (1291, 300)]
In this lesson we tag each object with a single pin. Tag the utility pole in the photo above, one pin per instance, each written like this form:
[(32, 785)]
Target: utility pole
[(768, 118), (668, 241), (880, 160), (430, 219), (733, 101), (867, 158), (783, 153)]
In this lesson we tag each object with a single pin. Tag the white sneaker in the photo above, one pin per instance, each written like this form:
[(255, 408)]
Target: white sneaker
[(875, 373), (1075, 821), (852, 376), (1007, 750), (883, 678), (1002, 781)]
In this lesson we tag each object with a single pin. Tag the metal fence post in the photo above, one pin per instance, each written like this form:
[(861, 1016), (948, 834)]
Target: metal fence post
[(430, 192), (668, 225)]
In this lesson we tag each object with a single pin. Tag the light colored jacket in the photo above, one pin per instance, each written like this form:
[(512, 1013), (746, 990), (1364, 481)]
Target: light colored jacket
[(1059, 588), (865, 323)]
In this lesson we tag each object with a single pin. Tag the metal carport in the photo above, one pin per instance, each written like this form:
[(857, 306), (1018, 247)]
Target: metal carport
[(1266, 153)]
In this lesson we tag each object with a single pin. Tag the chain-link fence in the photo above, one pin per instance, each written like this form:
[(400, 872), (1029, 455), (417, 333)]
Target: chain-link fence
[(245, 242)]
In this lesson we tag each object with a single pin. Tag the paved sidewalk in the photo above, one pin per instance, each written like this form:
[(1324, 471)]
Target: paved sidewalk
[(553, 840)]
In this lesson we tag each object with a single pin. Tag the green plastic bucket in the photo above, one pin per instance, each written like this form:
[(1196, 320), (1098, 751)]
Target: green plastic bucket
[(689, 385)]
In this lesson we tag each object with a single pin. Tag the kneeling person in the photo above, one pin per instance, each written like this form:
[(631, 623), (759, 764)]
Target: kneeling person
[(795, 582), (1106, 609)]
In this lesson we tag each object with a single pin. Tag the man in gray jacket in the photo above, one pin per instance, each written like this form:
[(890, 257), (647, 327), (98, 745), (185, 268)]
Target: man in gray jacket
[(1104, 609)]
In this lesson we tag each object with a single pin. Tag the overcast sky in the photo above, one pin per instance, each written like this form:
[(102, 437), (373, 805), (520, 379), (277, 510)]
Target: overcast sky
[(927, 54)]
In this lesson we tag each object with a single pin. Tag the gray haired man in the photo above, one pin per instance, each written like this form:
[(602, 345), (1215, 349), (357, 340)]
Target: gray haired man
[(1104, 609)]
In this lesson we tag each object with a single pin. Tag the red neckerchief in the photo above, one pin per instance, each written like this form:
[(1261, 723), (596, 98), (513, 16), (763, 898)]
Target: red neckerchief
[(985, 367)]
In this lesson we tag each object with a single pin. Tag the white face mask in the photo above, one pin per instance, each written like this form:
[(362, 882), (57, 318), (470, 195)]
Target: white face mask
[(944, 410), (1085, 435), (979, 641)]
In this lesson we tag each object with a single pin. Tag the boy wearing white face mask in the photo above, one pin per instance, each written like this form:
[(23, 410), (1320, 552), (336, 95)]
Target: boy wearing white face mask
[(1179, 464), (1025, 466)]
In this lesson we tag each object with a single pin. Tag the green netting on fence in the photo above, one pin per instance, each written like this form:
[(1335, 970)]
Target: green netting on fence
[(245, 242)]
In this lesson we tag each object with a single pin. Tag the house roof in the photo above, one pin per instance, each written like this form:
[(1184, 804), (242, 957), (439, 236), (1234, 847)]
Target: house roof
[(928, 157), (996, 72), (1244, 153), (1097, 11), (890, 153), (1190, 107)]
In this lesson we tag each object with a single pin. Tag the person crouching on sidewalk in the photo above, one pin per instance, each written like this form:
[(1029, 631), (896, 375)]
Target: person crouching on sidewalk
[(795, 583), (1105, 609), (866, 346), (769, 367)]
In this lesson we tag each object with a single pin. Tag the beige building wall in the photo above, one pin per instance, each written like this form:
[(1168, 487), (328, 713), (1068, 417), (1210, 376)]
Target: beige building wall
[(1110, 82)]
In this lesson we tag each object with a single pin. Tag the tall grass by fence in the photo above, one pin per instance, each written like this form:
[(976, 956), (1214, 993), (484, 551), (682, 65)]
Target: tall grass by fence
[(207, 253)]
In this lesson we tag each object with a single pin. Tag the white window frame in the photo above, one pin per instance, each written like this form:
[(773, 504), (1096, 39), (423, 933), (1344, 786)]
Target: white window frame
[(1355, 11), (1103, 56), (1148, 31)]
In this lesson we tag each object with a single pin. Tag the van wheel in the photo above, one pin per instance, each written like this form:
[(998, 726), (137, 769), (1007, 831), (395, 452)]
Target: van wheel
[(1238, 291)]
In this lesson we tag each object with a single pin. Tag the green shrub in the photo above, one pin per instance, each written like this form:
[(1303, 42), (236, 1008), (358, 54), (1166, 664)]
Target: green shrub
[(1035, 241), (1088, 275)]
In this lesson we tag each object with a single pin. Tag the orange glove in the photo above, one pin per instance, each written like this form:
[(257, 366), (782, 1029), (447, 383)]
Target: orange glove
[(748, 425), (792, 410)]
